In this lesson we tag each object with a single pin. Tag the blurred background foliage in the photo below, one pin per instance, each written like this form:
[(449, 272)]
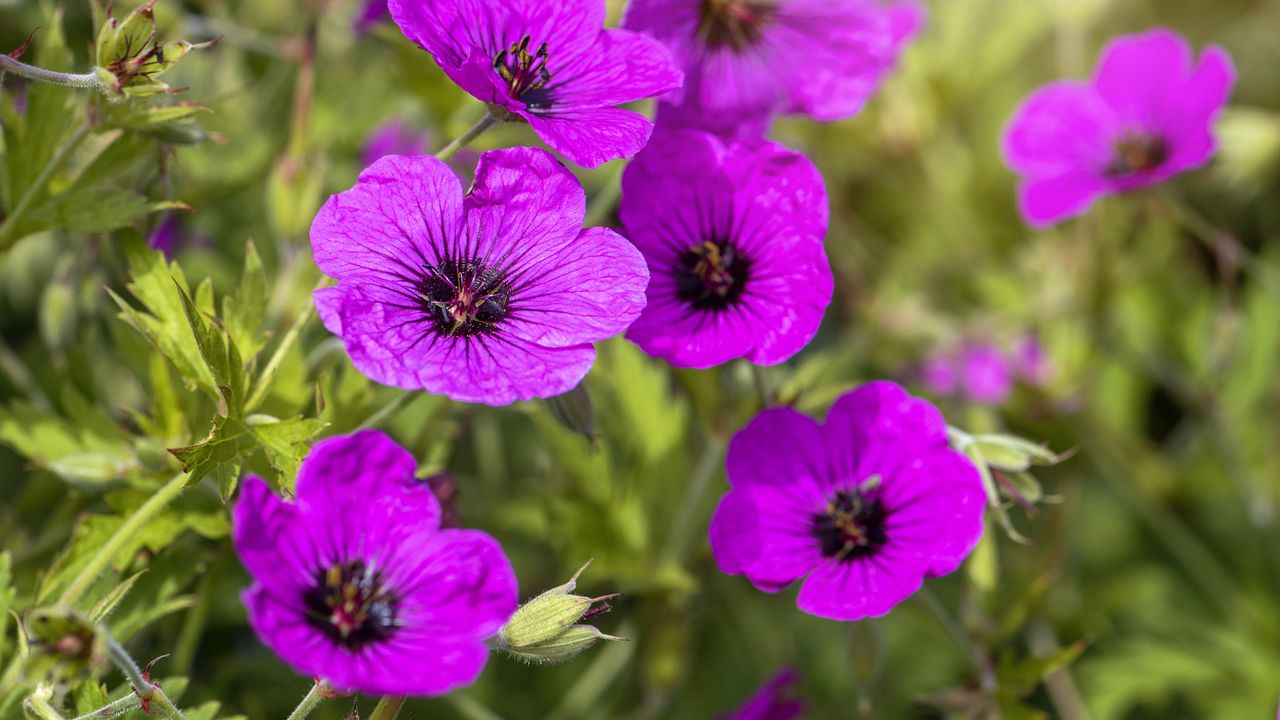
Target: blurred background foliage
[(1159, 313)]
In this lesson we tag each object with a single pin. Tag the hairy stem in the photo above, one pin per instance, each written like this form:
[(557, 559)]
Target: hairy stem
[(87, 81), (309, 702), (388, 708), (123, 706), (147, 691), (465, 139)]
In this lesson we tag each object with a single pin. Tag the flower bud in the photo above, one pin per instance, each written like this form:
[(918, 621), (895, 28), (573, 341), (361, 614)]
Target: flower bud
[(65, 648), (130, 57), (546, 629), (1012, 454)]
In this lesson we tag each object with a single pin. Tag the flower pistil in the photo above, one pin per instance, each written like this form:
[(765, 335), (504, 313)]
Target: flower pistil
[(465, 298), (852, 525), (526, 74), (711, 275), (1137, 152), (351, 603)]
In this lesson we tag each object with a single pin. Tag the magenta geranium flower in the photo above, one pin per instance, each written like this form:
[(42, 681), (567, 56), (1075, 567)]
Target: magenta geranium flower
[(547, 62), (862, 508), (490, 297), (356, 583), (746, 60), (769, 702), (1147, 115), (394, 137), (733, 237)]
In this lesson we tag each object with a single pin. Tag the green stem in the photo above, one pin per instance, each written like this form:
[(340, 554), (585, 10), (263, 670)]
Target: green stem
[(10, 224), (388, 708), (148, 510), (958, 635), (123, 706), (87, 81), (147, 691), (471, 708), (286, 343), (683, 526), (40, 708), (476, 131), (386, 411), (309, 702)]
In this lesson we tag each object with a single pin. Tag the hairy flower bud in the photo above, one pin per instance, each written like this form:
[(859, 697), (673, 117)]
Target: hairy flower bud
[(546, 629), (65, 648), (130, 57)]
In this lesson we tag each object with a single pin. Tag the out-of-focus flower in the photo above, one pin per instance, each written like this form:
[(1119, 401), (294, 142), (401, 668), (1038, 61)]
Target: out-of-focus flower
[(491, 297), (747, 60), (372, 13), (394, 137), (986, 375), (1146, 115), (768, 703), (1031, 362), (985, 372), (355, 583), (549, 63), (733, 236), (862, 508)]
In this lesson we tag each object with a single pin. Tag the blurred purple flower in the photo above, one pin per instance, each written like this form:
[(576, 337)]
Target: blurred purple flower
[(1030, 361), (768, 703), (373, 13), (356, 583), (747, 60), (165, 237), (985, 374), (733, 237), (1146, 116), (862, 508), (394, 137), (491, 297), (549, 63)]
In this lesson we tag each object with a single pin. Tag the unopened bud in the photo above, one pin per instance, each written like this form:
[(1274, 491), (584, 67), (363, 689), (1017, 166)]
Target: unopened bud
[(64, 647), (130, 57), (546, 629)]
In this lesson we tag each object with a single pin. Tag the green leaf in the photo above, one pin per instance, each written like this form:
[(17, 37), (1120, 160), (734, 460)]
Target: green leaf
[(86, 451), (219, 456), (286, 443), (7, 594), (108, 603), (244, 310), (93, 209), (165, 321), (219, 353)]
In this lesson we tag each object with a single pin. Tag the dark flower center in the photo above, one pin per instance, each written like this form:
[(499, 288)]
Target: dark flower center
[(1137, 152), (711, 276), (852, 526), (525, 74), (736, 24), (351, 604), (465, 298)]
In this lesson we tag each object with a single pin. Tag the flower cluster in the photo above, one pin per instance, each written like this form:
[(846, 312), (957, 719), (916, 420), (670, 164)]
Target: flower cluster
[(985, 372)]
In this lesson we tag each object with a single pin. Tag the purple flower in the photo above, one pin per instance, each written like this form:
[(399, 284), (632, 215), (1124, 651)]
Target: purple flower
[(372, 13), (985, 374), (547, 62), (733, 237), (768, 703), (490, 297), (1146, 115), (356, 583), (746, 60), (864, 507), (1031, 362), (394, 137)]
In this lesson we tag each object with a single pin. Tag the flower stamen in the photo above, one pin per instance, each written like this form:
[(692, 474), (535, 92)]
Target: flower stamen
[(736, 24), (465, 299), (351, 603), (525, 74), (852, 525), (711, 275), (1137, 152)]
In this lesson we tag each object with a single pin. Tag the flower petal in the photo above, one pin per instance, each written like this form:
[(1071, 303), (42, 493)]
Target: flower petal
[(1045, 201), (936, 503), (398, 217), (453, 584), (1141, 76), (620, 67), (593, 136), (270, 538), (762, 532), (862, 588), (867, 429)]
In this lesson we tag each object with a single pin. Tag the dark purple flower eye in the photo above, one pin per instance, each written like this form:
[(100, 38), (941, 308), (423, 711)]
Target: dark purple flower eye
[(733, 237), (745, 61), (1146, 115), (862, 508), (550, 64), (357, 575), (493, 297)]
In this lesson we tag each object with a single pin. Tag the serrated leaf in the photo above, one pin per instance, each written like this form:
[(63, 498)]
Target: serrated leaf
[(219, 456), (244, 310), (217, 349), (286, 443), (81, 452), (165, 323), (93, 209)]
